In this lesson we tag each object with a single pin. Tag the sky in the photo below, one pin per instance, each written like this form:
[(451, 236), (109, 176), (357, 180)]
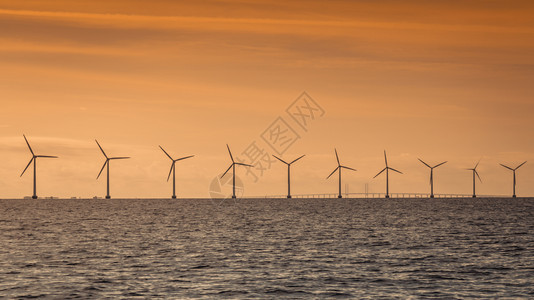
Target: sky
[(436, 80)]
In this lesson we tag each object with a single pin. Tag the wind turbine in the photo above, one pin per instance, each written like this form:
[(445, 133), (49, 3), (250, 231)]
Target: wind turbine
[(387, 168), (173, 170), (338, 168), (474, 181), (513, 170), (288, 173), (34, 160), (106, 163), (431, 175), (232, 166)]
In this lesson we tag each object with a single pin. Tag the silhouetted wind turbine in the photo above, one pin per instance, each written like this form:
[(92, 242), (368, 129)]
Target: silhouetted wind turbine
[(173, 170), (387, 168), (338, 168), (474, 179), (513, 170), (34, 160), (431, 175), (106, 163), (232, 166), (288, 173)]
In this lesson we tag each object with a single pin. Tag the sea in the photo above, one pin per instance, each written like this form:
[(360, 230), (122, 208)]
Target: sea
[(267, 248)]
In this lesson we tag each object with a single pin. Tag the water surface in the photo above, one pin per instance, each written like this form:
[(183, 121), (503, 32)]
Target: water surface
[(300, 248)]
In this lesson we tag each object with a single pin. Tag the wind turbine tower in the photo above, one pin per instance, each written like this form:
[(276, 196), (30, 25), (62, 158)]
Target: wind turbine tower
[(475, 173), (431, 175), (173, 170), (338, 169), (387, 168), (232, 166), (288, 173), (34, 160), (106, 164), (513, 170)]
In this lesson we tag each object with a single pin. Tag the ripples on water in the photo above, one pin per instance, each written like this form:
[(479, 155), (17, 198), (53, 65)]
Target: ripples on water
[(267, 248)]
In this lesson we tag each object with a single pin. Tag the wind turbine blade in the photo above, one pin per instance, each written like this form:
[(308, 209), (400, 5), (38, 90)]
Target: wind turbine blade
[(348, 168), (507, 167), (120, 157), (477, 175), (227, 170), (165, 152), (101, 148), (246, 165), (170, 171), (440, 164), (332, 172), (185, 157), (46, 156), (297, 159), (424, 163), (520, 165), (386, 158), (107, 161), (380, 172), (27, 166), (337, 157), (476, 164), (28, 145), (230, 152), (395, 170), (280, 159)]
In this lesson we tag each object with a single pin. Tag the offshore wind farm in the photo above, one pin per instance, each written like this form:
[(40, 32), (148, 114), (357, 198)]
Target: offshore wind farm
[(213, 175), (338, 169)]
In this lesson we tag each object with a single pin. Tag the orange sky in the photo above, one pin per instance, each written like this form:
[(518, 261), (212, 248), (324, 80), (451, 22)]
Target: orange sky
[(439, 80)]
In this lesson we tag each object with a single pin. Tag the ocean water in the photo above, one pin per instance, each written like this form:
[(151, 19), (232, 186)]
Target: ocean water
[(314, 248)]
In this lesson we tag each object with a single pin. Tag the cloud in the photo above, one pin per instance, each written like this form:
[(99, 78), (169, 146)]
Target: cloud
[(325, 40), (315, 35), (241, 23)]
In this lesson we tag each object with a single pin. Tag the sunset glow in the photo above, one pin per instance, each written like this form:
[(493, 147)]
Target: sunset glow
[(436, 80)]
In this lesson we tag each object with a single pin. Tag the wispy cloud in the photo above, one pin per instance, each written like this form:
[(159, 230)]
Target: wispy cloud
[(214, 23)]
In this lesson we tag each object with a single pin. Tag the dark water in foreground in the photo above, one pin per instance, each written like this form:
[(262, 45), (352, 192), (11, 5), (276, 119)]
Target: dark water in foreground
[(267, 248)]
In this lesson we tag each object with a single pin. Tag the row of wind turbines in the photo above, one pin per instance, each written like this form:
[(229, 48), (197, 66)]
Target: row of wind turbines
[(232, 166), (388, 168)]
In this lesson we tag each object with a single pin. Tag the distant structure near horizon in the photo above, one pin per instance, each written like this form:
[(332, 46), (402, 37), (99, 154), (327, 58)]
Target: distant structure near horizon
[(106, 163), (173, 170), (34, 160), (431, 175), (288, 173), (513, 170), (338, 168), (232, 166), (387, 168), (474, 170)]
